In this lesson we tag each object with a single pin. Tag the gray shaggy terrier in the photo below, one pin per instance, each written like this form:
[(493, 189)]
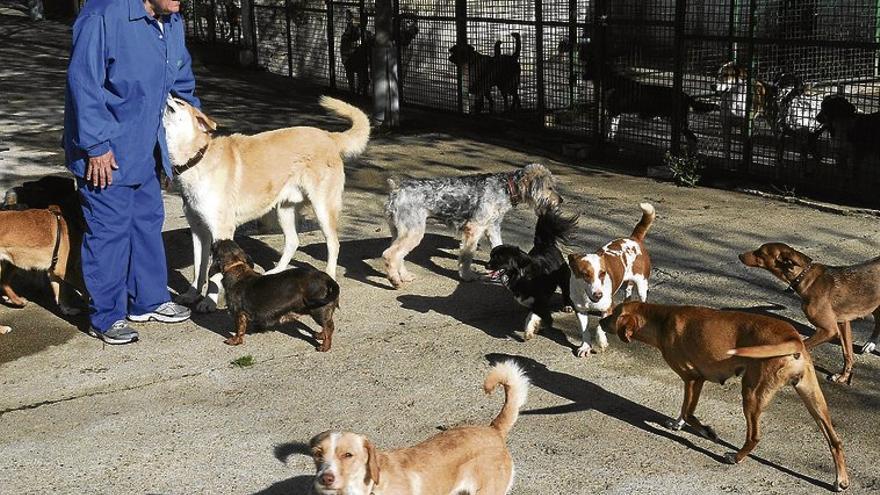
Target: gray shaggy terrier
[(475, 205)]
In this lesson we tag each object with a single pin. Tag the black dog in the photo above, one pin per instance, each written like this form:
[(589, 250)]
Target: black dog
[(534, 277), (855, 135), (621, 94), (278, 298), (485, 72)]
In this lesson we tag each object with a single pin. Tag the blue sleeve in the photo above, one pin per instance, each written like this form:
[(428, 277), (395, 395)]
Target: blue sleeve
[(185, 85), (85, 81)]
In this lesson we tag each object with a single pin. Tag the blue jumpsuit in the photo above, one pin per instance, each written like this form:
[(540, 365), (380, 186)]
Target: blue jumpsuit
[(123, 66)]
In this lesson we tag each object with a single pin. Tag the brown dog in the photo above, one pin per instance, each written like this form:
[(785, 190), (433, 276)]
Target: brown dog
[(702, 344), (832, 296), (40, 240), (466, 459), (274, 298)]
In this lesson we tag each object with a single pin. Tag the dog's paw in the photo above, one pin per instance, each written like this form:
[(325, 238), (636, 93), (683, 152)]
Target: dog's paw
[(584, 350), (841, 378), (188, 298), (407, 277), (18, 302), (730, 458), (324, 347), (601, 342), (4, 329), (234, 341), (205, 305), (840, 486), (869, 348), (674, 424), (68, 310), (708, 433), (567, 309), (529, 335)]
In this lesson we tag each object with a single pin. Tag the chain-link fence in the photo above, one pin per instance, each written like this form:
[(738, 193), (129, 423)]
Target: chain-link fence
[(738, 83)]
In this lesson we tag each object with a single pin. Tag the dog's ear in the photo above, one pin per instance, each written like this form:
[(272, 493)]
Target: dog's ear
[(627, 325), (206, 124), (372, 461)]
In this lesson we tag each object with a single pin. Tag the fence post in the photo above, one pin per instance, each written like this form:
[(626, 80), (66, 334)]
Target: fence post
[(539, 60), (398, 49), (460, 40), (331, 47), (750, 61), (289, 42), (600, 24), (254, 47), (678, 76), (386, 105), (212, 22), (573, 53)]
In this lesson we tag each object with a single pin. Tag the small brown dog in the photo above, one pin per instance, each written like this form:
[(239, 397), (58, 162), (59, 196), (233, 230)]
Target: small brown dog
[(465, 459), (275, 298), (41, 240), (702, 344), (832, 296)]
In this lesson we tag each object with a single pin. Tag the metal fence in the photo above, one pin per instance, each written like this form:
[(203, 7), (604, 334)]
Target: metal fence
[(739, 83)]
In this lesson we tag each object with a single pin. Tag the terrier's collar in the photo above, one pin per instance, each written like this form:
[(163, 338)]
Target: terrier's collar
[(513, 188), (792, 286), (192, 162)]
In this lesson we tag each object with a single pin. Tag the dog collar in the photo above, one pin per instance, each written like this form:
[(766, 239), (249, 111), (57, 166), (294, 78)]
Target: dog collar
[(513, 189), (192, 162), (229, 267), (797, 280), (57, 241)]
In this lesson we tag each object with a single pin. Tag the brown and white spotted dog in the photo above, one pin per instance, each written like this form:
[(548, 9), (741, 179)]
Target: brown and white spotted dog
[(597, 277)]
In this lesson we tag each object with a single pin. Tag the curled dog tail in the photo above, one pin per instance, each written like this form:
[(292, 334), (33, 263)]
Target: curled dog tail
[(644, 224), (516, 388), (516, 50), (769, 351), (552, 227), (353, 141)]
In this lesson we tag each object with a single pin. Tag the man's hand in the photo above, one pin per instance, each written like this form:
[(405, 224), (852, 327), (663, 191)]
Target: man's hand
[(100, 169)]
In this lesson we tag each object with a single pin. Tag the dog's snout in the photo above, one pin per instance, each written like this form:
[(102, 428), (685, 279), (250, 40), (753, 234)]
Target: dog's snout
[(328, 478)]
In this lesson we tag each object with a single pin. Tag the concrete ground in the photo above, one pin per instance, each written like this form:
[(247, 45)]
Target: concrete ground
[(172, 415)]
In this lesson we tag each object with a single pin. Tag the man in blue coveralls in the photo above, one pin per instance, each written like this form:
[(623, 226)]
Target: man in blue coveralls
[(127, 57)]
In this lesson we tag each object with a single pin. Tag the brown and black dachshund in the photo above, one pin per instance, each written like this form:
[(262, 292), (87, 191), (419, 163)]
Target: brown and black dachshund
[(277, 298)]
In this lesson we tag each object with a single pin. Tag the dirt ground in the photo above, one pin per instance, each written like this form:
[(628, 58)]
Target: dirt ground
[(171, 415)]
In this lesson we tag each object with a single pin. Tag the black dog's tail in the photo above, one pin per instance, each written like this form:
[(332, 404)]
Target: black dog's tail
[(331, 295), (518, 45), (702, 106), (553, 226)]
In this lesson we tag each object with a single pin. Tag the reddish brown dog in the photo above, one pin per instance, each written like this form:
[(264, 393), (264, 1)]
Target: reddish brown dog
[(702, 344), (40, 240), (832, 296)]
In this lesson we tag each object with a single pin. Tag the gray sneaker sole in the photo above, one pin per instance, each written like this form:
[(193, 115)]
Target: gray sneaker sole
[(158, 317), (111, 340)]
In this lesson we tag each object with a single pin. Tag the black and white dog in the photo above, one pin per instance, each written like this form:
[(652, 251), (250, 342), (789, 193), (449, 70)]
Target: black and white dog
[(475, 205), (622, 94), (534, 276)]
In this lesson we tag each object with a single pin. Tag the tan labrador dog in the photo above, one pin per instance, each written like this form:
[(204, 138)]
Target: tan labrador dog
[(227, 181), (466, 459)]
